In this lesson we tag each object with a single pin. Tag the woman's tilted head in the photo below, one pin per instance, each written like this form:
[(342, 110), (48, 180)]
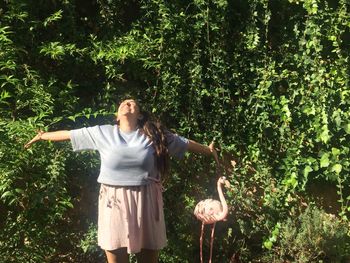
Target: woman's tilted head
[(129, 108)]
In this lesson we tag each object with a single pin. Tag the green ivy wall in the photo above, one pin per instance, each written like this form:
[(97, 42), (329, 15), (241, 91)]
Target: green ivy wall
[(268, 80)]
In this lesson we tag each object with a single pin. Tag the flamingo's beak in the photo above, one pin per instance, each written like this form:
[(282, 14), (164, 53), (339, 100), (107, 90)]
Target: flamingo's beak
[(227, 184)]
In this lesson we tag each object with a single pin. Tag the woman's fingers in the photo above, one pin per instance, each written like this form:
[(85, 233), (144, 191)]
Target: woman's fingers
[(28, 144), (213, 151), (36, 138)]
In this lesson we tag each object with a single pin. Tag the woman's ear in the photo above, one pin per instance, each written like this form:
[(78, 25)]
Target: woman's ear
[(140, 117)]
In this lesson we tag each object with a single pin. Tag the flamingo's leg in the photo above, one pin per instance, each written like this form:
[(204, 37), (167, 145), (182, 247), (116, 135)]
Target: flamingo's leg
[(212, 241), (201, 242)]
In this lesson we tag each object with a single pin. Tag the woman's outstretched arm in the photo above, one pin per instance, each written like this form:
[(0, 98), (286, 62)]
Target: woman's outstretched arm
[(55, 136), (203, 149)]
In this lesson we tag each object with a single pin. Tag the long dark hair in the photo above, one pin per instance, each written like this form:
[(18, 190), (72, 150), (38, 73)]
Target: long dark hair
[(156, 132)]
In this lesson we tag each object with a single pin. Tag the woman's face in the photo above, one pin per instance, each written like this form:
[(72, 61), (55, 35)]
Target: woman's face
[(128, 108)]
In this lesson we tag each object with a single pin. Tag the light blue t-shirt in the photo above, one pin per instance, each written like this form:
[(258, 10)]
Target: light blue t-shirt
[(127, 159)]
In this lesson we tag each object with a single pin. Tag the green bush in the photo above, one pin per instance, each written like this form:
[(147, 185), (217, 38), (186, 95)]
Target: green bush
[(314, 236)]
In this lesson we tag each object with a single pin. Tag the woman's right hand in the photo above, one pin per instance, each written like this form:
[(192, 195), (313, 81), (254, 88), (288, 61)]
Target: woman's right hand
[(36, 138), (213, 151)]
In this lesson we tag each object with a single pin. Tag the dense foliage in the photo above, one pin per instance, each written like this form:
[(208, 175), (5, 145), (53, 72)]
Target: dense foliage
[(268, 80)]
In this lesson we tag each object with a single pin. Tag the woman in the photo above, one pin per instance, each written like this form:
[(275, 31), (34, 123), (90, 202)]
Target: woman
[(134, 154)]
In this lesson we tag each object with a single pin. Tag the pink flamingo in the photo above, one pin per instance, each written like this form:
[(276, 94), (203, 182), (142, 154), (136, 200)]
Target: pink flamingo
[(210, 211)]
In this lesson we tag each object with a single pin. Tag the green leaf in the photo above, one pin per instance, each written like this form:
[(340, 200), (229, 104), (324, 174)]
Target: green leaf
[(324, 162), (18, 190), (337, 168), (307, 170), (309, 110), (4, 95), (324, 136), (335, 151), (6, 194), (346, 127), (54, 17), (268, 244)]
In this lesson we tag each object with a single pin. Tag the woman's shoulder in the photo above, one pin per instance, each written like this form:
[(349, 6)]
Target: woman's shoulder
[(101, 129), (107, 127)]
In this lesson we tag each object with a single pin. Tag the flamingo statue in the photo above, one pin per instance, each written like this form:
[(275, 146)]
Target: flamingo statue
[(210, 211)]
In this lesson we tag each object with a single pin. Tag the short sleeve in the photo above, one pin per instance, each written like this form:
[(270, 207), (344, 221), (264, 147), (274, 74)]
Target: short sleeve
[(84, 138), (177, 145)]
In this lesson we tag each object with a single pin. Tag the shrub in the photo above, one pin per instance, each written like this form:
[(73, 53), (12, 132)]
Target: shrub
[(314, 236)]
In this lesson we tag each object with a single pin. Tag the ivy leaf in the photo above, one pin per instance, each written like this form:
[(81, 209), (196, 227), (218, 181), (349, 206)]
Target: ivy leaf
[(307, 170), (337, 168), (335, 151), (337, 118), (324, 136), (309, 110), (324, 162), (347, 128)]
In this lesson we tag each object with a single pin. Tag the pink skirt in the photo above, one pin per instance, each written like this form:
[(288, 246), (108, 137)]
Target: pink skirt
[(131, 217)]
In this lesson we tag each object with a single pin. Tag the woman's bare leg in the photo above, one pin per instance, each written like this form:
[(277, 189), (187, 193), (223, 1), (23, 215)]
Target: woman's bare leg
[(117, 256), (147, 256)]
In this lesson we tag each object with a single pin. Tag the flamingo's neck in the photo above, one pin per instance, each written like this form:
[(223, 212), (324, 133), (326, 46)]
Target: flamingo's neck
[(224, 212)]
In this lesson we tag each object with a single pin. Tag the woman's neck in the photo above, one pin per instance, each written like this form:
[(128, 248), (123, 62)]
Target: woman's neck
[(127, 126)]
